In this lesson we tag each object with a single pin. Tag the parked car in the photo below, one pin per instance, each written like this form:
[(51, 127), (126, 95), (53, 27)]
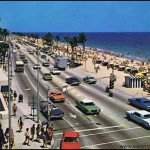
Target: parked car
[(57, 96), (90, 80), (55, 71), (54, 111), (47, 76), (142, 102), (87, 106), (36, 66), (140, 116), (70, 140), (73, 81), (45, 64)]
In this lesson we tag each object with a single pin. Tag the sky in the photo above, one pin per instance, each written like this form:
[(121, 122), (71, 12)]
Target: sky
[(75, 16)]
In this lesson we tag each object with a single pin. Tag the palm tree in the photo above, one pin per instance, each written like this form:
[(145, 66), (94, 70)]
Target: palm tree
[(36, 37), (3, 49), (82, 39), (57, 38), (67, 38), (48, 38), (4, 33), (73, 43)]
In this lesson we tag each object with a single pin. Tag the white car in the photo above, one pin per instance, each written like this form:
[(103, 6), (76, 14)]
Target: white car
[(140, 116), (55, 71), (36, 66)]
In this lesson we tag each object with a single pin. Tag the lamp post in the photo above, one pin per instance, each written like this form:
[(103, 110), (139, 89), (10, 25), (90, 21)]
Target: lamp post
[(9, 100), (38, 50), (48, 112)]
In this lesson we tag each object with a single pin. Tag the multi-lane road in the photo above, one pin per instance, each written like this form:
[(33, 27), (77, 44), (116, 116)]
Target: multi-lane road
[(110, 129)]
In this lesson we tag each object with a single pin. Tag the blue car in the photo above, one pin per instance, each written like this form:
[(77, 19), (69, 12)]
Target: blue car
[(142, 102), (54, 112), (73, 81)]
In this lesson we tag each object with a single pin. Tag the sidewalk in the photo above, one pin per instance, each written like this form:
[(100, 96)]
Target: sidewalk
[(24, 111)]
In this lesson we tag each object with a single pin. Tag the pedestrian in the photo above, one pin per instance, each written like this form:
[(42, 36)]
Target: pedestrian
[(42, 130), (7, 135), (27, 137), (20, 124), (32, 132), (2, 138), (14, 108), (49, 132), (15, 94), (44, 140), (38, 133)]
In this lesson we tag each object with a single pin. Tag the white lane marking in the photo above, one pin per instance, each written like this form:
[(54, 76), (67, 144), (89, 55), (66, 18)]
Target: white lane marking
[(111, 131), (72, 91), (106, 132), (70, 124), (117, 141), (32, 84), (79, 94), (92, 129), (99, 128)]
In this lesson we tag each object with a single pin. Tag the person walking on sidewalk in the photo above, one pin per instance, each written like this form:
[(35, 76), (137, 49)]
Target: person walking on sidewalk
[(20, 124), (14, 108), (15, 94), (38, 133), (7, 135), (44, 140), (32, 132), (2, 138), (27, 137)]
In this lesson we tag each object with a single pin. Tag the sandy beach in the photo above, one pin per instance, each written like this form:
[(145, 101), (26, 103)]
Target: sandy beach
[(103, 72)]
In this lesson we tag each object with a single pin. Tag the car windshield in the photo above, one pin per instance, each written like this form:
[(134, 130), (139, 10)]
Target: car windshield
[(146, 116), (47, 74), (147, 102), (89, 103), (71, 139), (91, 77)]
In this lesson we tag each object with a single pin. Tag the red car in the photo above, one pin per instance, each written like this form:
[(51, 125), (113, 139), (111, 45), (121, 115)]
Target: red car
[(70, 140)]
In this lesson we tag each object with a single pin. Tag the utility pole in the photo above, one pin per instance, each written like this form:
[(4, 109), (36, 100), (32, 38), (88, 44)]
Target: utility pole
[(38, 50), (9, 100)]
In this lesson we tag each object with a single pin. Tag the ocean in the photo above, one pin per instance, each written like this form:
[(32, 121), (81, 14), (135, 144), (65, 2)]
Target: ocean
[(133, 45)]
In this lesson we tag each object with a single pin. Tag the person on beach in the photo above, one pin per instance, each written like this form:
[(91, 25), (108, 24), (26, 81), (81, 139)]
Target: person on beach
[(27, 137), (20, 124), (14, 108), (32, 131)]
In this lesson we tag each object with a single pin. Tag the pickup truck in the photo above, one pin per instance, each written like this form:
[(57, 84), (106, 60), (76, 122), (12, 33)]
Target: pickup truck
[(141, 102), (140, 116), (55, 71), (87, 106)]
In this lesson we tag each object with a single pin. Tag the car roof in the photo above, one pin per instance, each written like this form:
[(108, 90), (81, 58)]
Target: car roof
[(141, 98), (143, 112), (70, 134), (87, 101), (56, 91)]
